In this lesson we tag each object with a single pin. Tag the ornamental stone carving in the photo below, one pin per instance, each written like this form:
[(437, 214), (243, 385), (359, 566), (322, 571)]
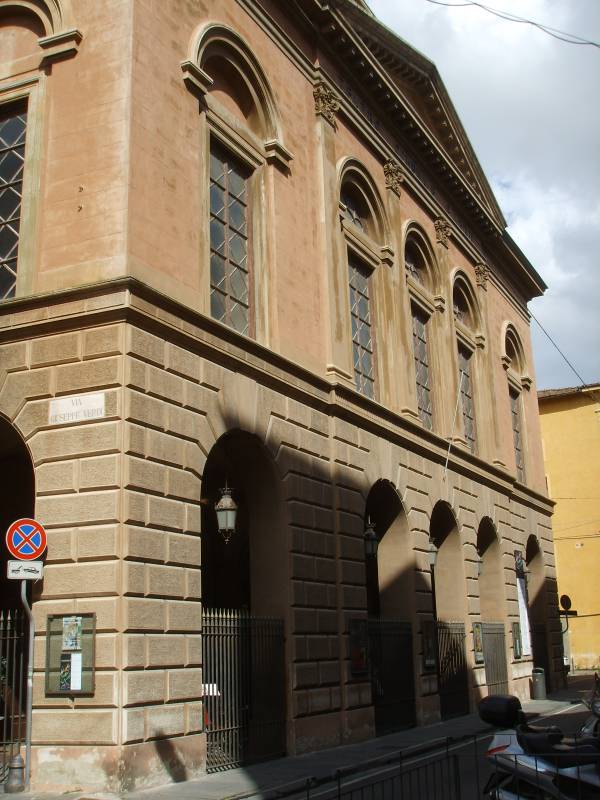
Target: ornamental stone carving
[(482, 273), (326, 103), (394, 176), (443, 231)]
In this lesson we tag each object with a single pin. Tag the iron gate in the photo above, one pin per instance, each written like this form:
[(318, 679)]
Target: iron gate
[(244, 688), (392, 674), (12, 686), (494, 656), (453, 676)]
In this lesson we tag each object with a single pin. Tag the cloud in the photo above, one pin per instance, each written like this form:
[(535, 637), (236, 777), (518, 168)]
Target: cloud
[(527, 102)]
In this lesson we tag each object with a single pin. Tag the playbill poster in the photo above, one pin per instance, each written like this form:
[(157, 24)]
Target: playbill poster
[(71, 634)]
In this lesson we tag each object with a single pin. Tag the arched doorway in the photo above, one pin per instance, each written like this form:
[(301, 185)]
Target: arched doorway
[(537, 605), (450, 608), (244, 595), (390, 604), (17, 499), (492, 607)]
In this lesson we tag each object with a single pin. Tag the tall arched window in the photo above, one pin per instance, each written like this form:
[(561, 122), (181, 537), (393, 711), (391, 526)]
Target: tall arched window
[(465, 323), (34, 34), (514, 363), (243, 138), (360, 216), (418, 261)]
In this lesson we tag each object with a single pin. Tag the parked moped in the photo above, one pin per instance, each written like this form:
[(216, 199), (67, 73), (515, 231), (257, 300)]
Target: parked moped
[(537, 762)]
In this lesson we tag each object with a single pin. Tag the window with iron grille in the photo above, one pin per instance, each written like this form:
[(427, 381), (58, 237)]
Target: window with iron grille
[(229, 245), (466, 396), (515, 411), (13, 127), (421, 356), (362, 333)]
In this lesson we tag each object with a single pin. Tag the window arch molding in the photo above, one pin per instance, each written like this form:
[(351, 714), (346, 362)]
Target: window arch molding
[(372, 243), (216, 40), (414, 236), (513, 358), (468, 325), (56, 18)]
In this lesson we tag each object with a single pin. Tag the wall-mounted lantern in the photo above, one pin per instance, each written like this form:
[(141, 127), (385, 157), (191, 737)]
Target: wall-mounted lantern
[(226, 510), (433, 553), (370, 539)]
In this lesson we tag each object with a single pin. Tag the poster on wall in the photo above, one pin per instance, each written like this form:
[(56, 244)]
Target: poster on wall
[(522, 602), (478, 642)]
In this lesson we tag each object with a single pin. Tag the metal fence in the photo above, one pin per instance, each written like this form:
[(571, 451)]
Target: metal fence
[(453, 675), (244, 688), (12, 686), (494, 653), (392, 674)]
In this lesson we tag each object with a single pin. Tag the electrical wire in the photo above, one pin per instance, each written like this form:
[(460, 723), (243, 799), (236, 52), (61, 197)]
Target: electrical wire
[(562, 36)]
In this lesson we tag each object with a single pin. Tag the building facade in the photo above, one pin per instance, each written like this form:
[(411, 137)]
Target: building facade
[(247, 244), (571, 439)]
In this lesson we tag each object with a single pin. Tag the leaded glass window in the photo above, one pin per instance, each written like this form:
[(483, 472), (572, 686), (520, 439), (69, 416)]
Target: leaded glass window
[(362, 333), (421, 356), (517, 437), (13, 126), (229, 268), (356, 211), (466, 396)]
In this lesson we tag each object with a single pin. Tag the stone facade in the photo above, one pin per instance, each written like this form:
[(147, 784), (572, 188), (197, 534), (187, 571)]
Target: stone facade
[(113, 297)]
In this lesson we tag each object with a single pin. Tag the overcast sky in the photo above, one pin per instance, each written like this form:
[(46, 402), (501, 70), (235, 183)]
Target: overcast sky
[(530, 106)]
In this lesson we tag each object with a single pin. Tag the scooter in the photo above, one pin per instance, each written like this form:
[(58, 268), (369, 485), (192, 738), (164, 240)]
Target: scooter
[(535, 762), (591, 727)]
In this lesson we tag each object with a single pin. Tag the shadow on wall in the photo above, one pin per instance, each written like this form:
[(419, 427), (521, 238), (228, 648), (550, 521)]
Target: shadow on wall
[(170, 759)]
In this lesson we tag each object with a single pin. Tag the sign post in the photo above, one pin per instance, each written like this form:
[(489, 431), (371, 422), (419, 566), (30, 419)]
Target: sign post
[(26, 542)]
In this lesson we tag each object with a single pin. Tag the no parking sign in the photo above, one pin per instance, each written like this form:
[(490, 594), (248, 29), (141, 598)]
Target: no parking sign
[(26, 539)]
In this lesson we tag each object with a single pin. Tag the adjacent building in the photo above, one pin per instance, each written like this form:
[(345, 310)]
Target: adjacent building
[(570, 420), (248, 257)]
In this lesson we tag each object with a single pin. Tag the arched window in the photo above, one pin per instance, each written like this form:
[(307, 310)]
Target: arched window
[(362, 227), (243, 139), (31, 33), (514, 363), (418, 261), (465, 323)]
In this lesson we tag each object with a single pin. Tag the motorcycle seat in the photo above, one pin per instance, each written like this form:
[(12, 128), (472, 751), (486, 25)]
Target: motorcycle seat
[(551, 746)]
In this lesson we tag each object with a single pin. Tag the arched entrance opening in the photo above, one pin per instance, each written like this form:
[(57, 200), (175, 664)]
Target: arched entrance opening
[(17, 500), (492, 607), (390, 603), (450, 608), (537, 605), (245, 600)]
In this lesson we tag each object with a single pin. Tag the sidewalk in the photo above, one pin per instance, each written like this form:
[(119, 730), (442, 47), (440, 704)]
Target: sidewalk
[(261, 780)]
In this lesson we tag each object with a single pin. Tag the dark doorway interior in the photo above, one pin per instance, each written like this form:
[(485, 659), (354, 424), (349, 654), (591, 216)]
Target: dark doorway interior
[(390, 605), (449, 600), (244, 594), (17, 500)]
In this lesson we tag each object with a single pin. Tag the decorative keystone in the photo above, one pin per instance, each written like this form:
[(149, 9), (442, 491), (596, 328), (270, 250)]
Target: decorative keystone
[(394, 176), (443, 231), (326, 103)]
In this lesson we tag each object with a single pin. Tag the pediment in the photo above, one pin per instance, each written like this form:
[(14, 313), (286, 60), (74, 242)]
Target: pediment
[(418, 82)]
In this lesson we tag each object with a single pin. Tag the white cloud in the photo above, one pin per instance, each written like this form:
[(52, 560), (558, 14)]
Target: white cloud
[(528, 104)]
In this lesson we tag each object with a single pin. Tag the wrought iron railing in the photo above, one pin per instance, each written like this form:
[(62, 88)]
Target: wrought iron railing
[(12, 675)]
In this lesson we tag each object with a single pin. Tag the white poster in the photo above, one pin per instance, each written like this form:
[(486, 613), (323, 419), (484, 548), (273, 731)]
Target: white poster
[(76, 672), (523, 616)]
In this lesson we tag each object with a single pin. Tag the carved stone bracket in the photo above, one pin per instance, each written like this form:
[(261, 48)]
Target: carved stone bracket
[(326, 103), (526, 382), (394, 176), (443, 231), (482, 273)]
